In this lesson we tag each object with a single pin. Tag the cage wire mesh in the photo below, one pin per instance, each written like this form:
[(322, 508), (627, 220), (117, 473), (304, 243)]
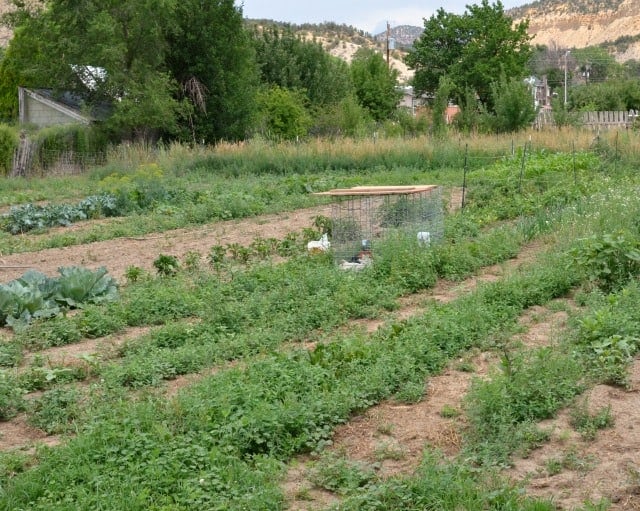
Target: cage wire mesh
[(363, 217)]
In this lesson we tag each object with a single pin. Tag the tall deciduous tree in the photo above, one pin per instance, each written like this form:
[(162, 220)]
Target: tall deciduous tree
[(211, 57), (375, 84), (513, 105), (291, 62), (473, 49), (148, 49)]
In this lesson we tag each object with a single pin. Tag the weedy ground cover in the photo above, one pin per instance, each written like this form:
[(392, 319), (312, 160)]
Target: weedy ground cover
[(220, 444), (284, 403)]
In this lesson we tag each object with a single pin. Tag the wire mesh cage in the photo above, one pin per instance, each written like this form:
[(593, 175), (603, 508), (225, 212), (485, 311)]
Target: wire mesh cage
[(364, 216)]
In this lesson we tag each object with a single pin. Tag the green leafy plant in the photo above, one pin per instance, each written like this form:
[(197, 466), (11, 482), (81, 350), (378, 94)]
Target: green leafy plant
[(77, 286), (389, 451), (11, 400), (587, 423), (449, 412), (166, 265), (340, 475), (26, 298), (10, 353), (46, 333), (612, 357), (608, 260), (133, 274), (28, 217), (216, 256), (192, 260), (55, 410), (36, 296), (239, 252)]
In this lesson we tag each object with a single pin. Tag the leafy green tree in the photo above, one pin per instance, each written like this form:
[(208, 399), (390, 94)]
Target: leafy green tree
[(595, 65), (150, 51), (440, 103), (346, 118), (283, 115), (472, 49), (608, 96), (561, 115), (123, 38), (472, 113), (210, 55), (375, 83), (631, 68), (287, 60), (513, 105)]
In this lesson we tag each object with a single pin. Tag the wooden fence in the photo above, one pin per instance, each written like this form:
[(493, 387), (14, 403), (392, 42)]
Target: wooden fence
[(610, 119), (621, 119)]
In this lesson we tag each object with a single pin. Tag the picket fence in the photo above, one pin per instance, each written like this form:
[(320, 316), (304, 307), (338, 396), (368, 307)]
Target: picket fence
[(613, 119)]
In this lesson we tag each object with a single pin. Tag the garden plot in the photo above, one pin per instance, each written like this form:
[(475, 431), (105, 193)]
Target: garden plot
[(284, 402), (118, 254)]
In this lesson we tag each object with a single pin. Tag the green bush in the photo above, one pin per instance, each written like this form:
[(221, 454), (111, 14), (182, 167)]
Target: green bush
[(608, 260), (8, 145), (54, 411), (80, 143), (11, 401)]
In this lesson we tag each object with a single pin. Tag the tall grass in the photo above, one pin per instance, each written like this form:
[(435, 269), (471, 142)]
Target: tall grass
[(258, 156)]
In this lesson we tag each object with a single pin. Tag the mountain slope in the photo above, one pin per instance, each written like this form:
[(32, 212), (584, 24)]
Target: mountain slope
[(581, 23)]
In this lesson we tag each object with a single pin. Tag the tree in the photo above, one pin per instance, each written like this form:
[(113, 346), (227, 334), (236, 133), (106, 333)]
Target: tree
[(608, 96), (595, 65), (286, 60), (440, 103), (210, 56), (346, 118), (472, 49), (375, 83), (283, 115), (147, 51), (123, 38), (513, 105)]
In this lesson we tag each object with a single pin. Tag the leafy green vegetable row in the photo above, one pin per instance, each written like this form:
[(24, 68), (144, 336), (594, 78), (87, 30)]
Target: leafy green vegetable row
[(34, 295)]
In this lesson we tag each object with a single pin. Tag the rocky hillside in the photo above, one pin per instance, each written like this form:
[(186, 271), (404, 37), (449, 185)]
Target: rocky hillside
[(581, 23), (5, 33)]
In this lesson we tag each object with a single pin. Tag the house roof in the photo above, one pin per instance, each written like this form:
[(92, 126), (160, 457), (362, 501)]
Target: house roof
[(72, 104), (68, 106)]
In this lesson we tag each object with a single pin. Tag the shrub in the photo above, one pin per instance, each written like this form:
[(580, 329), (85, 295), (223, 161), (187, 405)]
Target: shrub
[(608, 260), (8, 145), (55, 410), (11, 401), (80, 144)]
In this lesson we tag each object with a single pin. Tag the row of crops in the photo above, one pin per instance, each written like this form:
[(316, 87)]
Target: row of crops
[(223, 442)]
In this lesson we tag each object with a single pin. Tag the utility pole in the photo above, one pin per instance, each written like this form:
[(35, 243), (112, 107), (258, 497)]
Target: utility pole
[(388, 35), (565, 78)]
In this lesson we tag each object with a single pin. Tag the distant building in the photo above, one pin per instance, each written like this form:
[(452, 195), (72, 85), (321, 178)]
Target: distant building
[(540, 91), (40, 108), (450, 113)]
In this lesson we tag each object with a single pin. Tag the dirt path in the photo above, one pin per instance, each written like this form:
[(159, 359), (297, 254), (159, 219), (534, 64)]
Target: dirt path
[(120, 253)]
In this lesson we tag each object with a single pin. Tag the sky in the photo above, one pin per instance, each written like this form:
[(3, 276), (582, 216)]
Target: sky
[(368, 15)]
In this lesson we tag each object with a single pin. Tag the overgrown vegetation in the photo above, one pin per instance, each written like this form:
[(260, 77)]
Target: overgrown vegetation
[(221, 442)]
